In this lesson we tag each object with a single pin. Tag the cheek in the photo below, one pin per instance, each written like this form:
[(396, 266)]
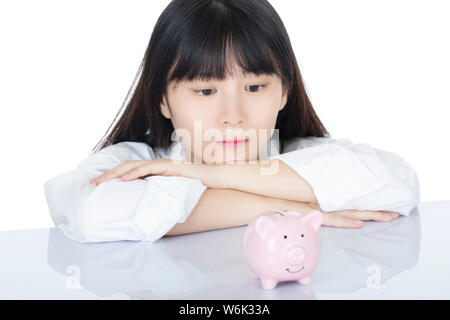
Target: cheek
[(189, 116), (272, 245), (265, 108)]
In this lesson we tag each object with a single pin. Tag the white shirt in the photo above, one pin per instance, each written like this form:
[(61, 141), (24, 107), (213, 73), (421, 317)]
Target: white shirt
[(343, 175)]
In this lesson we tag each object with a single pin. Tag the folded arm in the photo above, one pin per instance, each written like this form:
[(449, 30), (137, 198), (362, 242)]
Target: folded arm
[(143, 209), (227, 208), (271, 178), (335, 174)]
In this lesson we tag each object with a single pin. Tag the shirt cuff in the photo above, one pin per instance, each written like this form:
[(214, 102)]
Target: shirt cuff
[(168, 205), (138, 210), (334, 172)]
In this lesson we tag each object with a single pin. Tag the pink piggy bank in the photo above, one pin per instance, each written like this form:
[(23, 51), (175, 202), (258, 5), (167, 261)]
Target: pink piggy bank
[(282, 246)]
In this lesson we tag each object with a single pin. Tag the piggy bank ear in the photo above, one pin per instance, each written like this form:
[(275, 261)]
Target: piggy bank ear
[(263, 226), (313, 218)]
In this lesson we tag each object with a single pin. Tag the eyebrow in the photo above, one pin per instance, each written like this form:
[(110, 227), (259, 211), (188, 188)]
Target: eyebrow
[(215, 80)]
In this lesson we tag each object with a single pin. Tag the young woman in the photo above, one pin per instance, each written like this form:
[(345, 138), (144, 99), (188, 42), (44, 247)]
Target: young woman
[(219, 89)]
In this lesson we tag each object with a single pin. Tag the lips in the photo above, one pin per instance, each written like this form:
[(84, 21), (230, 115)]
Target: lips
[(287, 269), (233, 142)]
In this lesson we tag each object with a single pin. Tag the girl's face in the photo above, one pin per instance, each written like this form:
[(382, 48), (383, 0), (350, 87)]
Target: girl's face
[(238, 108)]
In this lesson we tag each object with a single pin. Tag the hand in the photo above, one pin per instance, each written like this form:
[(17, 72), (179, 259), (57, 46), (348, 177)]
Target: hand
[(351, 218), (131, 170)]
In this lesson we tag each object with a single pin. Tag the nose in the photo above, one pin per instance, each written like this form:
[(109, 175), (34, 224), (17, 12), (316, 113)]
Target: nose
[(232, 114), (295, 255), (232, 119)]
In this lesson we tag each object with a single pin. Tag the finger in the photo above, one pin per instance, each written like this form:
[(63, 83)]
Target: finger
[(332, 220), (393, 214), (151, 168), (365, 215), (115, 172), (370, 215)]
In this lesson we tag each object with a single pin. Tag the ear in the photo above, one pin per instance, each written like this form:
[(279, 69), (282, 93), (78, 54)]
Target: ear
[(284, 99), (263, 226), (292, 213), (313, 218), (165, 108)]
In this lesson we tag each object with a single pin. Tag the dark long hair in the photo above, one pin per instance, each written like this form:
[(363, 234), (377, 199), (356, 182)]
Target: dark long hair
[(193, 39)]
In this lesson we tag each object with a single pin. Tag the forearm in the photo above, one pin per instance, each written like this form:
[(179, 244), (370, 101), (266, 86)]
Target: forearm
[(276, 180), (227, 208)]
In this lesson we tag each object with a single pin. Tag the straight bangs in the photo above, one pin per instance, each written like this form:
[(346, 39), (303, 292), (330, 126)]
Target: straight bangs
[(222, 44), (209, 40)]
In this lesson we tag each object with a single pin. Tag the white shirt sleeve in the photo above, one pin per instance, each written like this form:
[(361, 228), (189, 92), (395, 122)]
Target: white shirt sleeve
[(344, 175), (115, 210)]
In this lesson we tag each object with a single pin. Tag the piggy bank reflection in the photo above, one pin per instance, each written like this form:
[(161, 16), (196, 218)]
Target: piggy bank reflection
[(282, 246)]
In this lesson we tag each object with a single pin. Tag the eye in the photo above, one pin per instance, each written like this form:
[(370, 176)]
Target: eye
[(302, 235), (205, 95), (257, 85), (285, 236), (208, 92)]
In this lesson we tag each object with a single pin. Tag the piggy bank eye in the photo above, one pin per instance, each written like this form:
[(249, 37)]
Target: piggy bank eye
[(285, 236), (302, 235)]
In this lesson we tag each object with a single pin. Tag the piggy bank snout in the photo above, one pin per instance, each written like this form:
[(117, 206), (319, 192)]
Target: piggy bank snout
[(295, 255)]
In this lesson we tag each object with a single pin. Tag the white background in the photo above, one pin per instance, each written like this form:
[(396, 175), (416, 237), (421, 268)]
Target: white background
[(377, 72)]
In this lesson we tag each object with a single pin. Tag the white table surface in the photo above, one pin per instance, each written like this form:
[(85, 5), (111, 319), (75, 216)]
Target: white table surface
[(408, 258)]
